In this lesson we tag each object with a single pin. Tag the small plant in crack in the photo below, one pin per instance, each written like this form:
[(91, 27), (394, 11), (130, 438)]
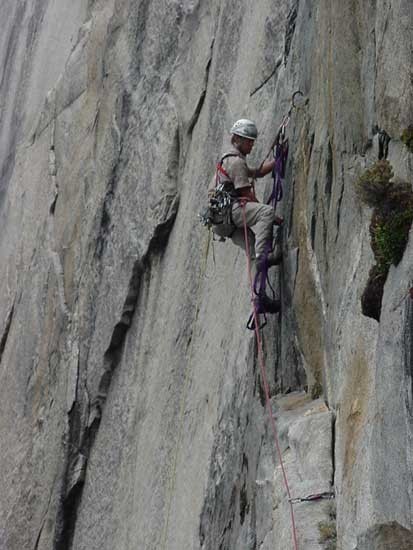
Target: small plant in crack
[(316, 390), (407, 137), (328, 534), (374, 184), (327, 529)]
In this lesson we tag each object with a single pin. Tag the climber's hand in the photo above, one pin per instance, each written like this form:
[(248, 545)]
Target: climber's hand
[(279, 220)]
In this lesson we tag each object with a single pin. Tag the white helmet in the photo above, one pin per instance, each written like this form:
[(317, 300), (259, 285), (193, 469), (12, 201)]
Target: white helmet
[(245, 128)]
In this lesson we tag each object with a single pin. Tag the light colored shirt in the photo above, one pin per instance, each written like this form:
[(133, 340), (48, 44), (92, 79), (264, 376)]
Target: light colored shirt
[(239, 174)]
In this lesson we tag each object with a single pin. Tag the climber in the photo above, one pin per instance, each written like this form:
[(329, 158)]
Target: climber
[(238, 178)]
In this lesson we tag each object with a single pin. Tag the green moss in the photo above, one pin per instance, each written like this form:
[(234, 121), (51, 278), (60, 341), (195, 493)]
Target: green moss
[(374, 184), (407, 137), (328, 534)]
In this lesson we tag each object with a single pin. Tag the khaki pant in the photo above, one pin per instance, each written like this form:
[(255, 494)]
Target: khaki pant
[(261, 218)]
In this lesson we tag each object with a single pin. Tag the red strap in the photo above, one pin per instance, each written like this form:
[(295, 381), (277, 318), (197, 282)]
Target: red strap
[(221, 169), (248, 194)]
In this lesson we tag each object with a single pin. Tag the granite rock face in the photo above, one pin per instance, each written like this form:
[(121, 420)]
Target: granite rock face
[(132, 412)]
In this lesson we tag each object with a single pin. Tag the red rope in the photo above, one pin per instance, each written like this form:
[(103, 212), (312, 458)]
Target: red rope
[(265, 381)]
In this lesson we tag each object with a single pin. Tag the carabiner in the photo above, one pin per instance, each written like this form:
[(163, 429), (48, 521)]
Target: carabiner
[(295, 94)]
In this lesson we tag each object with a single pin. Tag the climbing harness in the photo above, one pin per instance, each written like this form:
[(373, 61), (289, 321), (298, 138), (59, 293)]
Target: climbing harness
[(265, 381)]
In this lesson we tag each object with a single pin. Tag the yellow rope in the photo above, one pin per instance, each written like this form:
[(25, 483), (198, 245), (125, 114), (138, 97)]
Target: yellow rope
[(184, 394)]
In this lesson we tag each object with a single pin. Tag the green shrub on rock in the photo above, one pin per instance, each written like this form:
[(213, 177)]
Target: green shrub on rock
[(400, 197), (390, 237), (389, 227), (374, 184)]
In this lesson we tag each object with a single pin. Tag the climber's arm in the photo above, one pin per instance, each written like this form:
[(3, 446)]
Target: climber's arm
[(263, 170)]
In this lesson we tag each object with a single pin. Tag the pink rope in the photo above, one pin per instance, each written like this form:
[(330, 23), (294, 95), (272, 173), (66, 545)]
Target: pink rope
[(265, 381)]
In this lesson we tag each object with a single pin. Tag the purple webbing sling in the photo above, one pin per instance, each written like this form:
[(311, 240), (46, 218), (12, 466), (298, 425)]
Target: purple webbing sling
[(261, 277)]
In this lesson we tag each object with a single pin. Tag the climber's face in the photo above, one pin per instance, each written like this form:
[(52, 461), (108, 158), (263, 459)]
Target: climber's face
[(245, 145)]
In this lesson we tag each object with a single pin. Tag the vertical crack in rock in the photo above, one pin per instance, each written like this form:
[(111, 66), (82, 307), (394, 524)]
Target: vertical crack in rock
[(313, 229), (338, 215), (81, 439), (329, 174), (73, 479), (105, 215), (201, 101), (333, 449), (36, 546), (310, 152), (290, 30), (43, 522), (268, 78), (6, 331), (244, 505), (408, 355), (314, 215), (291, 209), (83, 433), (6, 174), (105, 220), (52, 248)]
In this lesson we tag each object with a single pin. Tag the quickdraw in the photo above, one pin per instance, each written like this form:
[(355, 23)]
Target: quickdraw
[(219, 209)]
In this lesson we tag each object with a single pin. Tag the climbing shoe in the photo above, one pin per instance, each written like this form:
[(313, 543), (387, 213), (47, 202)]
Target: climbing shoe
[(275, 259), (263, 263), (264, 304)]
